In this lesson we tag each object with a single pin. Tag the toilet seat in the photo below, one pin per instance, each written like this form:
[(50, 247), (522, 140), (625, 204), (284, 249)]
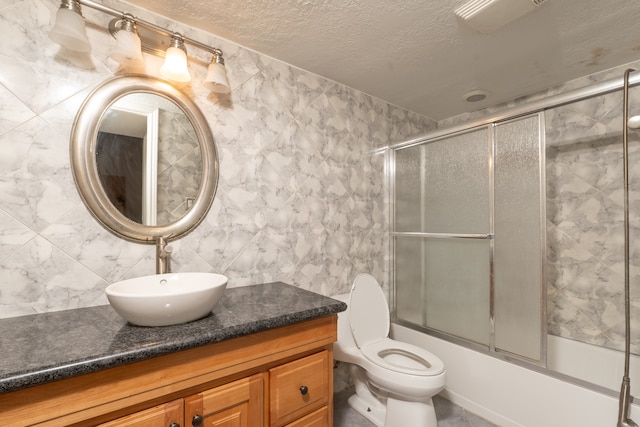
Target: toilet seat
[(403, 357), (370, 322)]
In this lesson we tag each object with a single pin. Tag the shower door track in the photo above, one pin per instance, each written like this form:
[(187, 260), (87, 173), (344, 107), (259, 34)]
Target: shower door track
[(442, 235)]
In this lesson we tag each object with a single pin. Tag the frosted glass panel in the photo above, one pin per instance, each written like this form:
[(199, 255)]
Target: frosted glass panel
[(518, 238), (457, 184), (443, 284), (443, 186), (457, 287), (410, 304), (408, 184)]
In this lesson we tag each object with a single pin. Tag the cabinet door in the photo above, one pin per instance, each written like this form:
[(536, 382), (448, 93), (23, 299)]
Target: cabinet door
[(164, 415), (237, 404), (299, 387)]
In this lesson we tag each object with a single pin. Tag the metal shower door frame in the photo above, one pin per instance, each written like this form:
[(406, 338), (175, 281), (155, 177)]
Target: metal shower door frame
[(490, 236)]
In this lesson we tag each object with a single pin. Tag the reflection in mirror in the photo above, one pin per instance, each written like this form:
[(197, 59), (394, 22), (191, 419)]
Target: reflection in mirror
[(174, 173), (148, 158)]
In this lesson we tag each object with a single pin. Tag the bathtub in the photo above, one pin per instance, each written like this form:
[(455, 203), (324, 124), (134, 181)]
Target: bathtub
[(511, 395)]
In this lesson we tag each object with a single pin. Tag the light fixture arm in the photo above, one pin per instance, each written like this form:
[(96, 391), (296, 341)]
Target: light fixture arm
[(217, 57), (141, 22), (177, 41), (129, 22), (73, 5)]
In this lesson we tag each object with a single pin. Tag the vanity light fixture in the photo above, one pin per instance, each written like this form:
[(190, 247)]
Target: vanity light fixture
[(216, 80), (131, 32), (175, 64), (69, 30), (128, 48)]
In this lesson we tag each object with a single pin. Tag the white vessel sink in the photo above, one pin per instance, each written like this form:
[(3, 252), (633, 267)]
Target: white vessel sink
[(166, 299)]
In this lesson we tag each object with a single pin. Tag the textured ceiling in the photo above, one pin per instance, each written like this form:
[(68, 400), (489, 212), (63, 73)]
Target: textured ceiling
[(416, 53)]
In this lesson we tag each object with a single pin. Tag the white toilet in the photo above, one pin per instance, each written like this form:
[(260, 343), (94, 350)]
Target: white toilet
[(394, 381)]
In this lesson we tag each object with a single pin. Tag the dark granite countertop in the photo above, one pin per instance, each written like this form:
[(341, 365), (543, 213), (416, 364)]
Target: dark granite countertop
[(47, 347)]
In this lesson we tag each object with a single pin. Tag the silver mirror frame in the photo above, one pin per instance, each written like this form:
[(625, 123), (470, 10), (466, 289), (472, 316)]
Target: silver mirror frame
[(84, 166)]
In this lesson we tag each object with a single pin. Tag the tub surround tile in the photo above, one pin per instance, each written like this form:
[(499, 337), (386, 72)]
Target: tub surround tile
[(565, 190), (585, 236), (53, 346)]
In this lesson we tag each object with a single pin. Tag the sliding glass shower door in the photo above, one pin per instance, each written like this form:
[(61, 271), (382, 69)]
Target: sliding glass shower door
[(442, 225), (465, 208)]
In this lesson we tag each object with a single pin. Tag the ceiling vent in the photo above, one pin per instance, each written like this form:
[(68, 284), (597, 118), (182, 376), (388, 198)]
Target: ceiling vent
[(487, 16)]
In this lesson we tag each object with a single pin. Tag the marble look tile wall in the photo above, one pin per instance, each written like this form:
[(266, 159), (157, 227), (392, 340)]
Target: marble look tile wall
[(301, 197), (585, 233)]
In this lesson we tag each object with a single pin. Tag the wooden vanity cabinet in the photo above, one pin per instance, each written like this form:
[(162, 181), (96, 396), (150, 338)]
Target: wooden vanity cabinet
[(276, 378), (238, 403), (298, 388)]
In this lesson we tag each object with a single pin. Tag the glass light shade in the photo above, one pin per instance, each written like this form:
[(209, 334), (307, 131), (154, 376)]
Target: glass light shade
[(216, 80), (127, 50), (69, 31), (175, 66)]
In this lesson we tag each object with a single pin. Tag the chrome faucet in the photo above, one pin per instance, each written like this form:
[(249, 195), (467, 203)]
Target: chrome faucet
[(163, 256)]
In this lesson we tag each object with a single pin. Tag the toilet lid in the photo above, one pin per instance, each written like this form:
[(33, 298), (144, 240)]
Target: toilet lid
[(368, 310)]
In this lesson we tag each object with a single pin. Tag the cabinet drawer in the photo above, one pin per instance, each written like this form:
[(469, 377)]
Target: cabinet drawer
[(298, 387), (161, 415), (319, 418)]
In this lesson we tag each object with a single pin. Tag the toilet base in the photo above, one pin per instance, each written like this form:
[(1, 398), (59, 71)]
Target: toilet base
[(364, 401), (405, 413), (384, 410), (396, 412), (375, 413)]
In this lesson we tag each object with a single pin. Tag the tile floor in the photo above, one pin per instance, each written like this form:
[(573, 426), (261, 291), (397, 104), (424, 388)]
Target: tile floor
[(448, 414)]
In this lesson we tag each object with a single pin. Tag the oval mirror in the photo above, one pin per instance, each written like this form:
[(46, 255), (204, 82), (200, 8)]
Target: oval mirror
[(143, 158)]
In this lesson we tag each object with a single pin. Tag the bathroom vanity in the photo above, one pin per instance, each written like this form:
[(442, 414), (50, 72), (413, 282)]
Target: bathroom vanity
[(263, 357)]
